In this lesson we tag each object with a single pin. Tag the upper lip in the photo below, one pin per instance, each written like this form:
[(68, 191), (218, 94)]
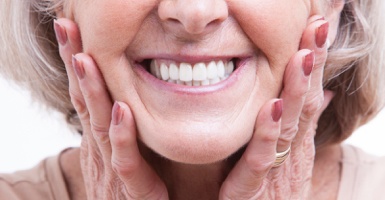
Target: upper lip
[(191, 54)]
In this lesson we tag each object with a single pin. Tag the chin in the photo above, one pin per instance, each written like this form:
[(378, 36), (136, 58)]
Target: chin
[(196, 142)]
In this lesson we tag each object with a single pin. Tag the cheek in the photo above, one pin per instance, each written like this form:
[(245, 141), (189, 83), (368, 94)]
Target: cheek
[(275, 27), (108, 27)]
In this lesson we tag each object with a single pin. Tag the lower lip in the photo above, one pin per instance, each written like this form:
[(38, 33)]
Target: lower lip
[(241, 65)]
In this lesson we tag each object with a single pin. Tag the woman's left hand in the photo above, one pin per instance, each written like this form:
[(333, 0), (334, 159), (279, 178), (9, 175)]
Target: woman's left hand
[(254, 176)]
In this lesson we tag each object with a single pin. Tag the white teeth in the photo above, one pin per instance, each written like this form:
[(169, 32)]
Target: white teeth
[(221, 69), (214, 80), (185, 72), (229, 68), (174, 72), (164, 71), (199, 72), (212, 70), (192, 75), (205, 82)]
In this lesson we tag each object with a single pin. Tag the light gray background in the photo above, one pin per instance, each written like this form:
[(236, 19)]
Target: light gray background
[(29, 134)]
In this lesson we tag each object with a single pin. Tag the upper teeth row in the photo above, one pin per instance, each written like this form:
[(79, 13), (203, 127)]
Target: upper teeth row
[(187, 72)]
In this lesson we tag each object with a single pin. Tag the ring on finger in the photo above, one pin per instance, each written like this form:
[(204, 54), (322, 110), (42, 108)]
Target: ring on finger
[(281, 157)]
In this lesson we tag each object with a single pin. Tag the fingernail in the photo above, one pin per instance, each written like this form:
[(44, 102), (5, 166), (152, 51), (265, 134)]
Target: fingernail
[(78, 67), (308, 63), (61, 35), (322, 34), (117, 113), (276, 110)]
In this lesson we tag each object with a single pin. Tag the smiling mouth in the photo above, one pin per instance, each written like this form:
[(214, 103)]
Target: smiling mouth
[(190, 74)]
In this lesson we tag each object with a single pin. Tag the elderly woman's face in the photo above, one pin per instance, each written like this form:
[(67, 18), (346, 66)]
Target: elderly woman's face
[(150, 51)]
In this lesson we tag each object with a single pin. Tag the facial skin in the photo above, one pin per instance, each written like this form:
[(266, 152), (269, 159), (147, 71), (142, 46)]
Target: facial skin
[(193, 124)]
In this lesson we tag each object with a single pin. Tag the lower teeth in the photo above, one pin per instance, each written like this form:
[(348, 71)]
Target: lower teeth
[(197, 83)]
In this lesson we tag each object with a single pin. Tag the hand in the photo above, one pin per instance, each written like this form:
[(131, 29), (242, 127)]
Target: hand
[(111, 163), (303, 99), (127, 176)]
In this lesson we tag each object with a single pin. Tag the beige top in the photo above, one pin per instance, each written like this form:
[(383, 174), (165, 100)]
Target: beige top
[(43, 182), (363, 178), (363, 175)]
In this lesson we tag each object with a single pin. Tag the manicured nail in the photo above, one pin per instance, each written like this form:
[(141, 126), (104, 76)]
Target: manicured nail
[(276, 110), (117, 113), (322, 34), (78, 67), (61, 35), (308, 63)]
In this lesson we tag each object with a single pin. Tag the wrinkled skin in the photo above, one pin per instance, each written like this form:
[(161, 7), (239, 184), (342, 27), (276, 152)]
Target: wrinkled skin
[(268, 104)]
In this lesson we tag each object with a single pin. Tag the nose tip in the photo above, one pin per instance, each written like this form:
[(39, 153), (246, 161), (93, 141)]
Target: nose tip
[(195, 16)]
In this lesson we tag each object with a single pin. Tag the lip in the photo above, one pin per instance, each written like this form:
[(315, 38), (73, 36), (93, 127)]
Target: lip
[(241, 64)]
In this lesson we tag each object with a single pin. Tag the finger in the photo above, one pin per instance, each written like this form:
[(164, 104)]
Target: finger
[(314, 37), (140, 180), (68, 37), (97, 101), (246, 178), (296, 85), (69, 42)]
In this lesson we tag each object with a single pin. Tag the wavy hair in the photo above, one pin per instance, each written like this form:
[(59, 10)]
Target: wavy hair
[(354, 68)]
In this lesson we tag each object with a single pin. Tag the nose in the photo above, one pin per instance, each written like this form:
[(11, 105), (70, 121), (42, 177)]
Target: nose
[(194, 16)]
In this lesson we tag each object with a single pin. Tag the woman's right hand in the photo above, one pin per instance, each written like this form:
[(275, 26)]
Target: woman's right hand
[(111, 164)]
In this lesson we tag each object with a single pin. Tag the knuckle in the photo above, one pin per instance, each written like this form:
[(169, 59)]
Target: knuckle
[(78, 103), (289, 131), (268, 138), (125, 168), (312, 105), (93, 91), (295, 92), (319, 62), (120, 141), (99, 130), (259, 165)]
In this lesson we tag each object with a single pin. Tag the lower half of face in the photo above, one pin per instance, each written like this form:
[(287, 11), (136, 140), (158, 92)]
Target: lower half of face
[(195, 81)]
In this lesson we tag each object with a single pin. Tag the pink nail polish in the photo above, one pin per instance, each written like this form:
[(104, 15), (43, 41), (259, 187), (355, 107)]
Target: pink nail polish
[(78, 67), (322, 34), (61, 35), (308, 63), (276, 110), (117, 113)]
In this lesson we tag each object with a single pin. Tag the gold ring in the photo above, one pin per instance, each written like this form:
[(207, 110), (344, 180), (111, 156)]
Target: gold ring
[(281, 157)]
